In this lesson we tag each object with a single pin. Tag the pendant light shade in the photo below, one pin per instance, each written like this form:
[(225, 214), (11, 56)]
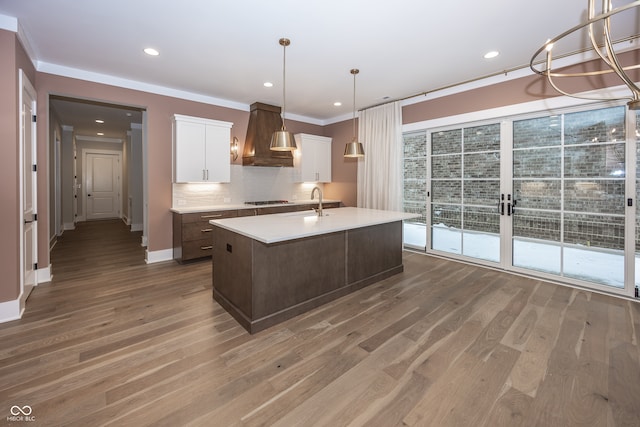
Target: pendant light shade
[(354, 148), (283, 140)]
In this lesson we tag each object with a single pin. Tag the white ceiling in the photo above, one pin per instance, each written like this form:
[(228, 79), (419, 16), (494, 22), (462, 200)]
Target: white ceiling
[(226, 50)]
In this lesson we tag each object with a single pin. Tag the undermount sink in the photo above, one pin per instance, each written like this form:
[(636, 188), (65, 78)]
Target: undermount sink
[(306, 214)]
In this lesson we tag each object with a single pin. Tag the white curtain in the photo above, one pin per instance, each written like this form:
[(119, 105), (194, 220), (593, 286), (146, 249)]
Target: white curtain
[(380, 170)]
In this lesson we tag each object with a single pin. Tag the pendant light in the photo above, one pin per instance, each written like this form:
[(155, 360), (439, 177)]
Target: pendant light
[(283, 140), (354, 148)]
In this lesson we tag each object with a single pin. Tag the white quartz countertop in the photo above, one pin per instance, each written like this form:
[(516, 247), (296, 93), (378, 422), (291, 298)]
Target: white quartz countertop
[(225, 207), (288, 226)]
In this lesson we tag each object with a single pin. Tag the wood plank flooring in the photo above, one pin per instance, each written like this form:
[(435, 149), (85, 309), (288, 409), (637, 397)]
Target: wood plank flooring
[(112, 341)]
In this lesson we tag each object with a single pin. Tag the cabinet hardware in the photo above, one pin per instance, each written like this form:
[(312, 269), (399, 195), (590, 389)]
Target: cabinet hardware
[(210, 216), (207, 230), (204, 248)]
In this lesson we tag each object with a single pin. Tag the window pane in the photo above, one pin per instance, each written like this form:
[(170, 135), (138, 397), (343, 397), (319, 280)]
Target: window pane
[(446, 142), (603, 125), (537, 225), (482, 192), (597, 196), (482, 138), (594, 161), (482, 165), (594, 230), (537, 194), (446, 192), (446, 166), (539, 132), (538, 163)]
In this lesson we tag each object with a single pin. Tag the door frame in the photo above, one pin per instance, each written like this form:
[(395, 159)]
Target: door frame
[(85, 152), (25, 85)]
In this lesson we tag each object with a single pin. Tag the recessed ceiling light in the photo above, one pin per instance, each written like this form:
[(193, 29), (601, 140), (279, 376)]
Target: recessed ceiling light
[(151, 51), (267, 84), (491, 54), (100, 133), (337, 104), (99, 121)]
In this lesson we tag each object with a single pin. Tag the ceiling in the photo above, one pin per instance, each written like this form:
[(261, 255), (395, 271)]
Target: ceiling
[(225, 50)]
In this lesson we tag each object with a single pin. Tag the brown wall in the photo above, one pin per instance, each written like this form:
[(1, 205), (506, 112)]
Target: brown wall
[(344, 172), (526, 89), (9, 216)]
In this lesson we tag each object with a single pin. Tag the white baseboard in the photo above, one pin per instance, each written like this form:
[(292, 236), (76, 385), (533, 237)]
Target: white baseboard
[(144, 241), (69, 226), (10, 310), (158, 256), (44, 274), (136, 227)]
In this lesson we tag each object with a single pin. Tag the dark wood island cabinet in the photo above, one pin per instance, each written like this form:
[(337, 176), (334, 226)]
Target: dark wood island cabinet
[(269, 269)]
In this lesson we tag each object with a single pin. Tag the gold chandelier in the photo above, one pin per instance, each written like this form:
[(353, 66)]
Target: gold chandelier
[(605, 51)]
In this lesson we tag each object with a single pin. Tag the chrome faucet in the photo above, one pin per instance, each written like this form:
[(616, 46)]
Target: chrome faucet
[(319, 199)]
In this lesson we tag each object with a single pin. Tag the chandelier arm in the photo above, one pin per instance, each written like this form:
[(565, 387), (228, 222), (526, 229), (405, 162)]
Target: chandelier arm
[(549, 76), (590, 73), (590, 98), (576, 28), (594, 44), (616, 67)]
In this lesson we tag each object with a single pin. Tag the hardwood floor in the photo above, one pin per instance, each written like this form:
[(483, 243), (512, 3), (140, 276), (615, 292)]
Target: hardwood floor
[(113, 341)]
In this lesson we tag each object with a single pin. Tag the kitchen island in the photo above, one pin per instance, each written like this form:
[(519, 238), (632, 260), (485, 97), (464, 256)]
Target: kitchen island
[(270, 268)]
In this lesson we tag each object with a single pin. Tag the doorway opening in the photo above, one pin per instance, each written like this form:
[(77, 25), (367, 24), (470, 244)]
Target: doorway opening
[(99, 164)]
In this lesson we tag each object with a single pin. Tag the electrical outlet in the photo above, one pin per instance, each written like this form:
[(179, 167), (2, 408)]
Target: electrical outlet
[(182, 202), (227, 199)]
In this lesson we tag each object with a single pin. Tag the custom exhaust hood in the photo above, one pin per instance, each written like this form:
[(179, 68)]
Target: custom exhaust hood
[(264, 119)]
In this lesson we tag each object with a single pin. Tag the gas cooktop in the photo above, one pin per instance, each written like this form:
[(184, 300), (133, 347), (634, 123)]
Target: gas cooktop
[(268, 202)]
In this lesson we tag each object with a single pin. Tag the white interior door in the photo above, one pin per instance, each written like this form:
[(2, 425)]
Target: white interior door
[(29, 235), (102, 183)]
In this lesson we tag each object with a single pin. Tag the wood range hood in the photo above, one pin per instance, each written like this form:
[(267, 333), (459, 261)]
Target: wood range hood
[(264, 120)]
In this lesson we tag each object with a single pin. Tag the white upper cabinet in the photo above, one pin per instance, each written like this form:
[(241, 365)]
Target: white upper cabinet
[(201, 150), (312, 158)]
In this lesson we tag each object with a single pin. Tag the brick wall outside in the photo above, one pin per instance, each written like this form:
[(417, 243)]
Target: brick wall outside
[(584, 170)]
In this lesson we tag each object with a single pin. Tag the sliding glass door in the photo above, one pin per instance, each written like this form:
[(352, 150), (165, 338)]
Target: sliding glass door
[(551, 196), (465, 189), (569, 195)]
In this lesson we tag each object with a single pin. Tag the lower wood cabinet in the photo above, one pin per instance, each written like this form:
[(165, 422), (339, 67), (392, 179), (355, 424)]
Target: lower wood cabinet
[(192, 233)]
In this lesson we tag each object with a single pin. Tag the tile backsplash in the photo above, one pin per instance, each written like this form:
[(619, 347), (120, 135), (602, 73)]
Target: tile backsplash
[(248, 183)]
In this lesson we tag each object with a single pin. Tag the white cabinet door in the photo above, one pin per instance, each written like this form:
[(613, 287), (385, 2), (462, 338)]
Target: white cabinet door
[(201, 149), (217, 152), (189, 148), (312, 159)]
